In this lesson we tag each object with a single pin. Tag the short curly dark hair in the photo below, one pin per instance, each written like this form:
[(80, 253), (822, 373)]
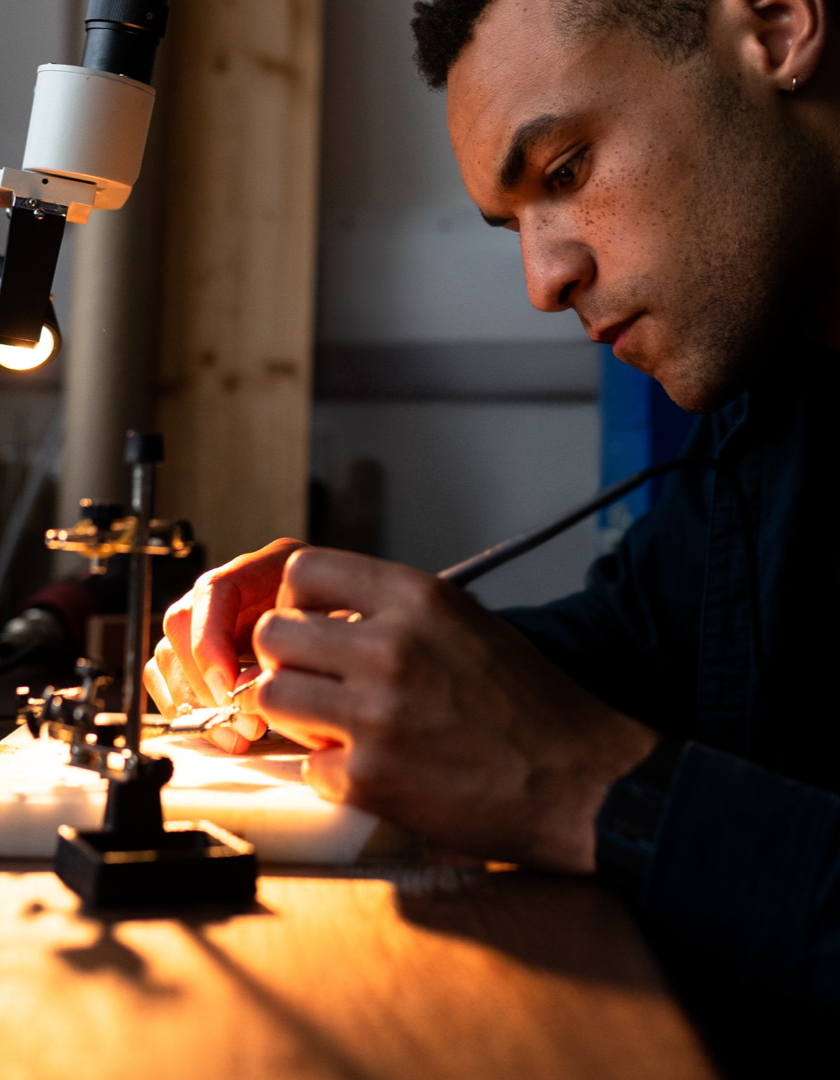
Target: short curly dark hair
[(441, 30), (675, 28)]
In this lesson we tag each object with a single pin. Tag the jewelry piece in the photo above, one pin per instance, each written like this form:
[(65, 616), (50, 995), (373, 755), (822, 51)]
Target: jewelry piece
[(190, 721), (198, 720), (793, 85)]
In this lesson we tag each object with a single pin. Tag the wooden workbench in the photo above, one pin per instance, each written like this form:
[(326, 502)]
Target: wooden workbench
[(417, 974)]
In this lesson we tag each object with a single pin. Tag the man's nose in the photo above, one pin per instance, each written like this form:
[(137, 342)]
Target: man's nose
[(557, 269)]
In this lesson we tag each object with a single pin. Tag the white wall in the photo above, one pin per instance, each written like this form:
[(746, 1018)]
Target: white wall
[(406, 261), (32, 33), (405, 255), (462, 476), (430, 272)]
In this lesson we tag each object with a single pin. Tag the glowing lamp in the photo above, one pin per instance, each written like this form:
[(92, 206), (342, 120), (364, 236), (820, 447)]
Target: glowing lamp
[(18, 358)]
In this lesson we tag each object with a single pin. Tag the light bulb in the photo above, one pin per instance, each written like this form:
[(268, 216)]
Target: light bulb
[(16, 358)]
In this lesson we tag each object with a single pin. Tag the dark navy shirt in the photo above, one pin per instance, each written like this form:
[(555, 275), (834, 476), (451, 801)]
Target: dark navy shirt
[(747, 859)]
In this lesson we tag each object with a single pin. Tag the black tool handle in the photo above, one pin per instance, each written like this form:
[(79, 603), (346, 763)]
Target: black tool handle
[(465, 572)]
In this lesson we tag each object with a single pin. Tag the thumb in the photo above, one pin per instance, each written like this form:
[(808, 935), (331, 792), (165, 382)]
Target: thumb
[(326, 772)]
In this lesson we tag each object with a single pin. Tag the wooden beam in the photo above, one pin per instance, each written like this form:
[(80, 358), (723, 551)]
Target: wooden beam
[(233, 389)]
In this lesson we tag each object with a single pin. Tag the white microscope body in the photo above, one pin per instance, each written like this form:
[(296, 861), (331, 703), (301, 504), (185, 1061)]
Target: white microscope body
[(87, 135)]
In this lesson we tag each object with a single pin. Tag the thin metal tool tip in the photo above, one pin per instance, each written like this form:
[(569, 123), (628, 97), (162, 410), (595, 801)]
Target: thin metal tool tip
[(245, 686)]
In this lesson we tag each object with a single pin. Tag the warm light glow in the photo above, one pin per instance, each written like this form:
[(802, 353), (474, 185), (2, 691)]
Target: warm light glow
[(18, 359)]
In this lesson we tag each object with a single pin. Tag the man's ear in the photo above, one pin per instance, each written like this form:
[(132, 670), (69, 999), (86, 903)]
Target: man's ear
[(781, 39)]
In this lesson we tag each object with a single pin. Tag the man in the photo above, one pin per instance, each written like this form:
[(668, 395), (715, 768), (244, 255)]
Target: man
[(672, 168)]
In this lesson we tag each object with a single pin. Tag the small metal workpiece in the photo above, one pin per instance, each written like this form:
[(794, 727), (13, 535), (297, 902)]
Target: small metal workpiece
[(191, 721), (198, 720)]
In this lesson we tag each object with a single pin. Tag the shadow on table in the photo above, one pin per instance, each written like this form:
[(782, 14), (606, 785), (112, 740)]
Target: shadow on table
[(108, 954), (563, 925), (559, 924), (576, 928)]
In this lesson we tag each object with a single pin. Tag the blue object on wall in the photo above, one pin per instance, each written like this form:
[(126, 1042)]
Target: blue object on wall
[(640, 426)]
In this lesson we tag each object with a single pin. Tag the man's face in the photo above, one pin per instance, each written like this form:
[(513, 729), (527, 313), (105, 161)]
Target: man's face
[(651, 197)]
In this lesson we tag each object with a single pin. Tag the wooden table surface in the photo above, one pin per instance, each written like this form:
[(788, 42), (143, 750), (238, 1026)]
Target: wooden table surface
[(431, 973)]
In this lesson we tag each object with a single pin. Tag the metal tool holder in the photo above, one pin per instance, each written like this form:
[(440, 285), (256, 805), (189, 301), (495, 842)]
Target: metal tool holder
[(135, 858)]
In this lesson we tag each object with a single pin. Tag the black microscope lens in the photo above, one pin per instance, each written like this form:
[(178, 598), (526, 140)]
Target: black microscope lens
[(123, 36)]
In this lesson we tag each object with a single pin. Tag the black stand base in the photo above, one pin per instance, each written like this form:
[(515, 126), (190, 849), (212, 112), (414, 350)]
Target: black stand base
[(187, 862)]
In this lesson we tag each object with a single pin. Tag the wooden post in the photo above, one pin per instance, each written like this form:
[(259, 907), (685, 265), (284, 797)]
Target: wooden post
[(233, 391)]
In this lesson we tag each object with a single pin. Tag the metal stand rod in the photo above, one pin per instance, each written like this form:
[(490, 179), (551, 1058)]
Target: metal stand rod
[(137, 646), (139, 604)]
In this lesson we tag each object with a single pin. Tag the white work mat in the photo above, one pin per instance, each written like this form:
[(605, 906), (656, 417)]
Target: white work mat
[(259, 796)]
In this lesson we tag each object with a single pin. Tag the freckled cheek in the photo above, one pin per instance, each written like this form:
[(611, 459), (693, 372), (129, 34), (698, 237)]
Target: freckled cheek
[(630, 224), (662, 193), (610, 224)]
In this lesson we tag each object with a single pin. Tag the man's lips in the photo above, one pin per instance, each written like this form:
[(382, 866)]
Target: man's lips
[(610, 334)]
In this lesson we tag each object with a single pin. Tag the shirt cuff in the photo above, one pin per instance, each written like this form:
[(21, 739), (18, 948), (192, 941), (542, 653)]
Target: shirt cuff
[(630, 822)]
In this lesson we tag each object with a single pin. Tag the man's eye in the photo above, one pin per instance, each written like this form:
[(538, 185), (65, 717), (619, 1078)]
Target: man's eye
[(566, 174)]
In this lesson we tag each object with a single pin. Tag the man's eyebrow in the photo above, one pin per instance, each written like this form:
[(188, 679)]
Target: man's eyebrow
[(524, 139)]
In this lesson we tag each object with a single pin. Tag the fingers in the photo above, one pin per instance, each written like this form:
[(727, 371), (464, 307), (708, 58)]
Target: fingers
[(327, 677), (159, 691), (229, 739), (237, 736), (306, 707), (226, 602), (244, 729), (166, 681), (173, 690), (174, 653), (249, 725), (326, 772), (322, 667), (211, 626), (303, 639), (319, 579)]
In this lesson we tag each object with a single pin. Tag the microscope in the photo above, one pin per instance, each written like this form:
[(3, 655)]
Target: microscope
[(87, 136)]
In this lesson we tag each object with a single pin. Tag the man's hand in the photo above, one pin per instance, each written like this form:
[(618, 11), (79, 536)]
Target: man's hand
[(436, 714), (208, 632)]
